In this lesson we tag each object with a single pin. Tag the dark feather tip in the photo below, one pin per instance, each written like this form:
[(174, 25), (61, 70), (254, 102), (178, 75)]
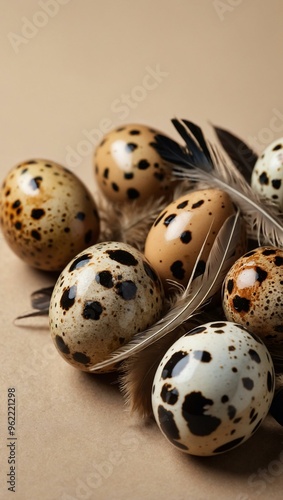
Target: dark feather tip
[(170, 150), (276, 409), (243, 157)]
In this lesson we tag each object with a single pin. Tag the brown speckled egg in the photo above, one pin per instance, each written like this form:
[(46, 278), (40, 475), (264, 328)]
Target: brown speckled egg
[(104, 296), (253, 293), (177, 235), (128, 167), (47, 215)]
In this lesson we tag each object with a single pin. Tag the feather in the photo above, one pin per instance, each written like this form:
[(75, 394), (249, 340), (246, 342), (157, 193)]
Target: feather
[(243, 157), (139, 370), (197, 293), (264, 221), (40, 299)]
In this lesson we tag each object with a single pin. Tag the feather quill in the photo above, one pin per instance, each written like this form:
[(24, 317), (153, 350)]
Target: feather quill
[(264, 221), (197, 293)]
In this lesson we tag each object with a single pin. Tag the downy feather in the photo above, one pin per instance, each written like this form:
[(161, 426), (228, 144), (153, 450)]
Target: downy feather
[(196, 294)]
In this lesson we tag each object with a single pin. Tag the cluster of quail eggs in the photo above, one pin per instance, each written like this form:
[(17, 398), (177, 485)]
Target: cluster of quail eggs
[(215, 385)]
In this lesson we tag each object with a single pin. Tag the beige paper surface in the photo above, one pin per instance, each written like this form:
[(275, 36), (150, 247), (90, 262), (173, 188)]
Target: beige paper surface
[(71, 71)]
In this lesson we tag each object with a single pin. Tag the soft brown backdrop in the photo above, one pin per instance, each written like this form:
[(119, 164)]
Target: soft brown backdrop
[(70, 70)]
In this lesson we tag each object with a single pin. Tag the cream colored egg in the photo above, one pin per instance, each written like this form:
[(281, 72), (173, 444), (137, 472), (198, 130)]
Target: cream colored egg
[(176, 237), (47, 215), (103, 297)]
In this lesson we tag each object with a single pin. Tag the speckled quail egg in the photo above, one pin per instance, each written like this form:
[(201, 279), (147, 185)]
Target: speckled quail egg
[(267, 175), (104, 296), (128, 167), (177, 235), (213, 388), (47, 215), (253, 293)]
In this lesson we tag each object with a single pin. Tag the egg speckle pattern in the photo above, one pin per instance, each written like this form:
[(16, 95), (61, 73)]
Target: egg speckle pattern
[(177, 235), (213, 388), (253, 293), (128, 167), (47, 215), (267, 175), (104, 296)]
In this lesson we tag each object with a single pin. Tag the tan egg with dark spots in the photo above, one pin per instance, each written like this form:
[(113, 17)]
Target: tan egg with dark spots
[(176, 237), (47, 214), (253, 293), (128, 167)]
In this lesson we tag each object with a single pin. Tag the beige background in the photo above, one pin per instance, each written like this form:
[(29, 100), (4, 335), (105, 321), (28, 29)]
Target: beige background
[(62, 84)]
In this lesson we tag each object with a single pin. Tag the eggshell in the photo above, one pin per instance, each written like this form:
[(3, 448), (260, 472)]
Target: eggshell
[(128, 167), (253, 293), (177, 235), (213, 388), (104, 296), (267, 175), (47, 215)]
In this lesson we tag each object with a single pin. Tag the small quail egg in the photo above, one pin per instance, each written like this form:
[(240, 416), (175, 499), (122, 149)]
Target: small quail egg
[(128, 167), (253, 293), (47, 214), (104, 296), (213, 388), (177, 235), (267, 175)]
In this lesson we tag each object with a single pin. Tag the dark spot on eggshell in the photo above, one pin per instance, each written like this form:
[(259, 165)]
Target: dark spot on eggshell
[(82, 358), (186, 237), (169, 219), (194, 411), (18, 225), (143, 164), (16, 204), (105, 279), (241, 304), (133, 193), (263, 179), (123, 257), (128, 175), (218, 325), (80, 216), (92, 310), (68, 298), (37, 213), (229, 445), (278, 261), (276, 183), (270, 382), (277, 147), (35, 183), (134, 132), (261, 274), (196, 330), (130, 147), (169, 394), (115, 187), (126, 289), (183, 204), (203, 356), (248, 383), (61, 345), (175, 364), (254, 356), (198, 204), (230, 285), (177, 269), (231, 412), (80, 262), (266, 252), (169, 427), (159, 219), (36, 235)]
